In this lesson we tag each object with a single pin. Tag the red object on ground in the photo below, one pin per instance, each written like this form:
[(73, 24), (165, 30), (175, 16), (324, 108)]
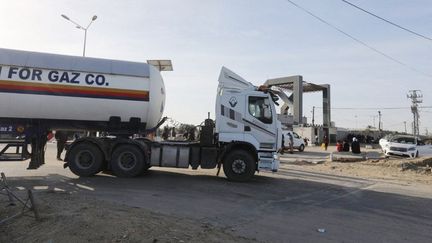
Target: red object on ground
[(339, 147)]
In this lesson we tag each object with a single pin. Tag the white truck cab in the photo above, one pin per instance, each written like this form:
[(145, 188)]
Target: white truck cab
[(246, 121)]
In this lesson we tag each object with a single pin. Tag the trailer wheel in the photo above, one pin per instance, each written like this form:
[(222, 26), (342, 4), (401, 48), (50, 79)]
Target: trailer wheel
[(127, 161), (239, 166), (85, 159)]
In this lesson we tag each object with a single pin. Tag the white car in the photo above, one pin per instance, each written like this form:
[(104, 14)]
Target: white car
[(298, 141), (384, 141), (400, 145)]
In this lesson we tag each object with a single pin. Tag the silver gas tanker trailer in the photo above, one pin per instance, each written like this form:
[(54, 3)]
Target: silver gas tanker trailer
[(40, 92)]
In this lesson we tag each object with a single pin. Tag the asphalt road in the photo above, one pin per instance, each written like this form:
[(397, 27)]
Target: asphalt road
[(288, 206)]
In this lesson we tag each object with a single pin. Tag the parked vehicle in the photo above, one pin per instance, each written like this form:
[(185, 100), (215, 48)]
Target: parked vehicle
[(400, 145), (383, 141), (299, 142)]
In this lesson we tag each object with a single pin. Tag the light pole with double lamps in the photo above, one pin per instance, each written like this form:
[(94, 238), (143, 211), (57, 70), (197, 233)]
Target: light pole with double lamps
[(78, 26)]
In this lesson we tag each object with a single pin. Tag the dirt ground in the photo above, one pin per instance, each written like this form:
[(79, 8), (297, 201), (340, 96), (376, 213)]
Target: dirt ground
[(402, 170), (67, 217)]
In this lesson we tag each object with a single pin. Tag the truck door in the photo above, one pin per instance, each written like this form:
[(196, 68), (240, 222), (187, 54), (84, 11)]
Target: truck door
[(297, 140), (260, 122)]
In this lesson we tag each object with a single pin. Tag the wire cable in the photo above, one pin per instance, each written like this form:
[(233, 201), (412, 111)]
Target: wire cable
[(388, 21), (359, 41), (374, 108)]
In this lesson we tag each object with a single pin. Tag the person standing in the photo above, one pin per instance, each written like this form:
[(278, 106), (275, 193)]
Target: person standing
[(38, 140), (291, 142), (346, 146), (281, 150), (61, 137), (355, 146), (316, 140), (326, 142), (339, 146)]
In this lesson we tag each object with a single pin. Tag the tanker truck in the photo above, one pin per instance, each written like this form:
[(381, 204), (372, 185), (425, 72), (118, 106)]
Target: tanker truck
[(124, 100)]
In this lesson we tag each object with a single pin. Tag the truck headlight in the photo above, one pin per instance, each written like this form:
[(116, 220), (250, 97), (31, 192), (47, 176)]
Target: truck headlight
[(412, 149)]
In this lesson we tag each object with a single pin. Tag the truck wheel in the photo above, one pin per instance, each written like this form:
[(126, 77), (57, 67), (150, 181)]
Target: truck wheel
[(85, 159), (301, 148), (239, 166), (127, 161)]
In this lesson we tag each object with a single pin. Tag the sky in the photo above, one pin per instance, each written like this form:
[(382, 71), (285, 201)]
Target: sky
[(256, 39)]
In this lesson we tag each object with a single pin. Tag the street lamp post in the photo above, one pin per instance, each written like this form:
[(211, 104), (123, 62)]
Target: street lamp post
[(379, 121), (78, 26)]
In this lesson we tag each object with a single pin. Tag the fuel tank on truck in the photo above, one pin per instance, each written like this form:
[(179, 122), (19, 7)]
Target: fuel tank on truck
[(70, 92)]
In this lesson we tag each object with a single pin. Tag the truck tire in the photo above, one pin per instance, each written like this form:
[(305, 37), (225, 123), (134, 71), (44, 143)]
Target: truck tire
[(85, 159), (127, 161), (239, 166), (301, 148)]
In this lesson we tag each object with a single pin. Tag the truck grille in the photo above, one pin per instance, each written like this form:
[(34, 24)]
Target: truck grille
[(398, 149)]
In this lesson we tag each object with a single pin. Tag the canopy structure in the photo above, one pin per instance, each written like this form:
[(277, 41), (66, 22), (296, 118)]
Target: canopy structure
[(297, 86)]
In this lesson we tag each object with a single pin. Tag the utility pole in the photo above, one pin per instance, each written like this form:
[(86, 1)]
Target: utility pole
[(313, 115), (379, 120), (405, 126), (416, 98)]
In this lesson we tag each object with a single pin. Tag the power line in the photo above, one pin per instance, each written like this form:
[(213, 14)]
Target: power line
[(374, 108), (395, 124), (388, 21), (359, 41)]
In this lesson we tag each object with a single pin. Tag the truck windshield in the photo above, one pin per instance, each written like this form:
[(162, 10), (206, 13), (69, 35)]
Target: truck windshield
[(259, 107)]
